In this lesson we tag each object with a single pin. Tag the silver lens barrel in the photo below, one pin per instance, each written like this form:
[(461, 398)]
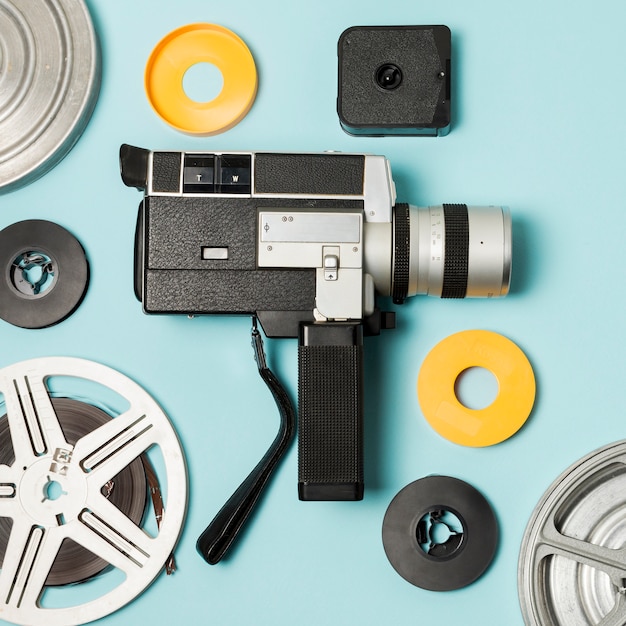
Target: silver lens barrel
[(458, 251), (448, 251)]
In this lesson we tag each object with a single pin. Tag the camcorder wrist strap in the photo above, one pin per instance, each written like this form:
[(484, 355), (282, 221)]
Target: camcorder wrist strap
[(222, 531)]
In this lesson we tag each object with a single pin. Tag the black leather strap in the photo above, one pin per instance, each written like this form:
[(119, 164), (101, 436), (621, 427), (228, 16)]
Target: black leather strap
[(222, 531)]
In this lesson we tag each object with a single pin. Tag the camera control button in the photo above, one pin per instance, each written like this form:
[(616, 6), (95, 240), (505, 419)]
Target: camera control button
[(234, 173), (331, 266), (199, 174)]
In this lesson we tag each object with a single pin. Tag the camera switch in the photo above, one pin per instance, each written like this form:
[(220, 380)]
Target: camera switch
[(331, 266), (214, 254)]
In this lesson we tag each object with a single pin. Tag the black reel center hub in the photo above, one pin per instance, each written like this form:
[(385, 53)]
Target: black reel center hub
[(33, 273), (440, 533)]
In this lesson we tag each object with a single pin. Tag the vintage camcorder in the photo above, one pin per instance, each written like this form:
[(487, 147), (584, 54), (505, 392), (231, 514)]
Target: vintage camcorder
[(306, 243)]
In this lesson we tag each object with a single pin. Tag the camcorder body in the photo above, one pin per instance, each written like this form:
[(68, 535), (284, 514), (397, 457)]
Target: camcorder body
[(306, 243)]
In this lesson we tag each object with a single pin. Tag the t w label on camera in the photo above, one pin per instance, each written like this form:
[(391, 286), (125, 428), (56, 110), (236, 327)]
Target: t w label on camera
[(217, 173), (199, 174)]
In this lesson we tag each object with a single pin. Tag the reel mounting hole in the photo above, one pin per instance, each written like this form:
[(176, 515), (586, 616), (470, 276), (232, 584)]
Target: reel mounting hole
[(33, 273), (203, 82), (53, 490), (476, 388), (439, 533)]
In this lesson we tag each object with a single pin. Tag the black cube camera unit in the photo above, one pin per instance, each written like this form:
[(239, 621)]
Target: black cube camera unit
[(395, 80)]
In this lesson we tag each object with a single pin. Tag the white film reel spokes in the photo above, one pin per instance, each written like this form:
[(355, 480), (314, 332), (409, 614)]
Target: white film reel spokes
[(54, 491)]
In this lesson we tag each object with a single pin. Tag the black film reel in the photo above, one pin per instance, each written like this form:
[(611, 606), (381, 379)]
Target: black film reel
[(43, 274), (440, 533)]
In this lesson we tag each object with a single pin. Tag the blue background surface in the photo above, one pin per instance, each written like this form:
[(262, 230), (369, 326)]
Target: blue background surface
[(538, 125)]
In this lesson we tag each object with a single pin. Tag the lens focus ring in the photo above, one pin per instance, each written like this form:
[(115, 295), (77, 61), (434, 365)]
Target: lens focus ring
[(402, 247), (455, 269)]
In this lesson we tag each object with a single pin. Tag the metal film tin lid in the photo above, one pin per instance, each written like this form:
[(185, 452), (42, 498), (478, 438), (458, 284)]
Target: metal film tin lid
[(49, 84)]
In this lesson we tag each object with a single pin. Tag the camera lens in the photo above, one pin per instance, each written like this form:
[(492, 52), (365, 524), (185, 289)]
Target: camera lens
[(388, 76), (451, 251)]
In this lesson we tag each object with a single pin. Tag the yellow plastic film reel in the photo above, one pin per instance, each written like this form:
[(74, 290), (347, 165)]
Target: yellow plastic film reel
[(476, 427), (185, 47)]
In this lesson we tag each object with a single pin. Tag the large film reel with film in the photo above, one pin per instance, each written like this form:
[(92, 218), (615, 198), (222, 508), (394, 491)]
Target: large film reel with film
[(93, 490), (572, 565)]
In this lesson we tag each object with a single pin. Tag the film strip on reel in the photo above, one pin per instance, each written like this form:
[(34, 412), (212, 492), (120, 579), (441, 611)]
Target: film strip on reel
[(43, 274), (77, 491), (572, 564)]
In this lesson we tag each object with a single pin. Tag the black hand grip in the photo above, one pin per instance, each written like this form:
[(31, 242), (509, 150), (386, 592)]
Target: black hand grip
[(330, 407), (214, 542)]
